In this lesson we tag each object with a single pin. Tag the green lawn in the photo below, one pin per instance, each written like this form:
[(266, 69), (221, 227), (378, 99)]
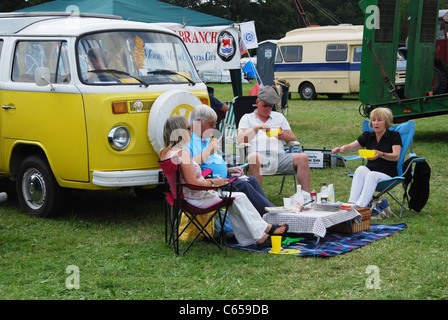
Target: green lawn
[(116, 241)]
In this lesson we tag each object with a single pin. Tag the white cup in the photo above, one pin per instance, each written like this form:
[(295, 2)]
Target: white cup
[(287, 203)]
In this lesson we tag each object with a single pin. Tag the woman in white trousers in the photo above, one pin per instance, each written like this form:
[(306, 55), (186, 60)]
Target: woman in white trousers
[(383, 165)]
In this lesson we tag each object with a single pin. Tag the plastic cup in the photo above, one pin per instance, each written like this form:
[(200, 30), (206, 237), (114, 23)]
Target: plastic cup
[(273, 132), (276, 244), (287, 203)]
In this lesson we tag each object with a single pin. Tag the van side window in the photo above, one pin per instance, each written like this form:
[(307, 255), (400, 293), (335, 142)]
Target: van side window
[(30, 55), (357, 54), (292, 53), (278, 56), (1, 47), (337, 52), (440, 30)]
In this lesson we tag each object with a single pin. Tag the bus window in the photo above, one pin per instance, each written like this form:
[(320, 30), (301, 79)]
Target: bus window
[(63, 67), (357, 54), (292, 53), (1, 46), (337, 52), (31, 55), (440, 30), (278, 56)]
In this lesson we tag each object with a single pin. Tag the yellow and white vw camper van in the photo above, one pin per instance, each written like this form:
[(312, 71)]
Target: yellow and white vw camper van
[(83, 102)]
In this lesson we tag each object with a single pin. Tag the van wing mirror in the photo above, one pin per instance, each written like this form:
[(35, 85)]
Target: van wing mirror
[(42, 77)]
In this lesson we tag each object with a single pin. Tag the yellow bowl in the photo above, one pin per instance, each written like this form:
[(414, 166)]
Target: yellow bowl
[(273, 133), (365, 153)]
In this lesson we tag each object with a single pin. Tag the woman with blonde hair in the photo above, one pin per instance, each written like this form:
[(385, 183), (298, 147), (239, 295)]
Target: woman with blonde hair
[(246, 222), (383, 165)]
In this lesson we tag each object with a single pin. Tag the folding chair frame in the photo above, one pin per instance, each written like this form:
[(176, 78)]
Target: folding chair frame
[(175, 206), (175, 213), (387, 185)]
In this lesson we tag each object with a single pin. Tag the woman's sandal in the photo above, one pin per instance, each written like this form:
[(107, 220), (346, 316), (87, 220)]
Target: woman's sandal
[(268, 243), (275, 227)]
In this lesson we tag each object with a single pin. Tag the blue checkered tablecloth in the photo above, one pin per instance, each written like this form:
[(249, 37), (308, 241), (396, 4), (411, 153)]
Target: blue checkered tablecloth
[(315, 222)]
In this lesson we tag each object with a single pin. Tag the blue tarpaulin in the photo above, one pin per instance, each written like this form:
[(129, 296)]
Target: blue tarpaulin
[(333, 243), (249, 68)]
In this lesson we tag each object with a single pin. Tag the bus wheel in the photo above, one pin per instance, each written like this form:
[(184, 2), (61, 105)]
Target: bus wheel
[(307, 91), (37, 190)]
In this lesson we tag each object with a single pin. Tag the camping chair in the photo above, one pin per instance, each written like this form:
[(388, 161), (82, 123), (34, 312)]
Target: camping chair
[(229, 120), (176, 205), (247, 104), (228, 136), (283, 91), (406, 130)]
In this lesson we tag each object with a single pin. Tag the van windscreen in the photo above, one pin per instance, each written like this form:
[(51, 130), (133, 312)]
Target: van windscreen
[(134, 57)]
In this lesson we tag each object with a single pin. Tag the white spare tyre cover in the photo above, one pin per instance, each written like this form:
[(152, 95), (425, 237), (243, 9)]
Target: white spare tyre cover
[(168, 104)]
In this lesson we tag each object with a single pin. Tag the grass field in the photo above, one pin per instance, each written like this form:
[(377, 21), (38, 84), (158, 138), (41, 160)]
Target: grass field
[(116, 240)]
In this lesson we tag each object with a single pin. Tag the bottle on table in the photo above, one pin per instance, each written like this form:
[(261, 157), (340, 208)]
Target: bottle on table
[(297, 199), (324, 196), (313, 195)]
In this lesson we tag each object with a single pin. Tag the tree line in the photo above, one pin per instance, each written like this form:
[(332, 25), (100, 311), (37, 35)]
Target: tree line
[(273, 18)]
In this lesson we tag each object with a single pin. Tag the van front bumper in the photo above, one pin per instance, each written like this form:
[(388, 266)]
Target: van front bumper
[(128, 178)]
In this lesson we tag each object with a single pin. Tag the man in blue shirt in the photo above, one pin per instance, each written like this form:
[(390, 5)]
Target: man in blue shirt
[(204, 152)]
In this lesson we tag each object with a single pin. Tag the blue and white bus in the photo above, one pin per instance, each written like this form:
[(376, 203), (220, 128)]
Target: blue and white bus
[(321, 60)]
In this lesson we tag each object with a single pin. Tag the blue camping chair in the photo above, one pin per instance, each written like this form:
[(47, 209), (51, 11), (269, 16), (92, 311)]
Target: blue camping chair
[(406, 130)]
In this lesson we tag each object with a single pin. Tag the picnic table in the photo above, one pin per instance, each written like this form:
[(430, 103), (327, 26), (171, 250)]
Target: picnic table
[(313, 221)]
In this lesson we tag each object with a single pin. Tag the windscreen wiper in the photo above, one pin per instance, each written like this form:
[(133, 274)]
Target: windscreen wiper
[(170, 72), (114, 72)]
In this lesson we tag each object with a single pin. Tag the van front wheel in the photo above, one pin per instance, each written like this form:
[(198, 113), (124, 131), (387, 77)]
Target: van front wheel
[(307, 91), (37, 190)]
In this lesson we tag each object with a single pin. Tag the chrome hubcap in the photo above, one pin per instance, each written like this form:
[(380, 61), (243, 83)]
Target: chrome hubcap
[(308, 92), (33, 188)]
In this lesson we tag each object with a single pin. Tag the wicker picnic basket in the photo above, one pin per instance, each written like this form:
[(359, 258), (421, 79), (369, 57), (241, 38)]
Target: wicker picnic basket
[(345, 226)]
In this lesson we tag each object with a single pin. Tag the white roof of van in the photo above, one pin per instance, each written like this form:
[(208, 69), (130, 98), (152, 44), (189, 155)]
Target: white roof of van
[(310, 34), (65, 24)]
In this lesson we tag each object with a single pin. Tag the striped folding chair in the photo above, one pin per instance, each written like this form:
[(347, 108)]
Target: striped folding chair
[(228, 131)]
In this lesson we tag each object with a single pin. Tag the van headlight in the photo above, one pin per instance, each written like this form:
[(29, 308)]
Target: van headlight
[(119, 138)]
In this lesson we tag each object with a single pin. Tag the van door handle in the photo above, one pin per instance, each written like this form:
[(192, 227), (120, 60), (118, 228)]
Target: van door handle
[(8, 107)]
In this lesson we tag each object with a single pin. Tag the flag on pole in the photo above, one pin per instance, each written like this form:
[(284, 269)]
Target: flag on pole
[(249, 35), (254, 90), (243, 48)]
